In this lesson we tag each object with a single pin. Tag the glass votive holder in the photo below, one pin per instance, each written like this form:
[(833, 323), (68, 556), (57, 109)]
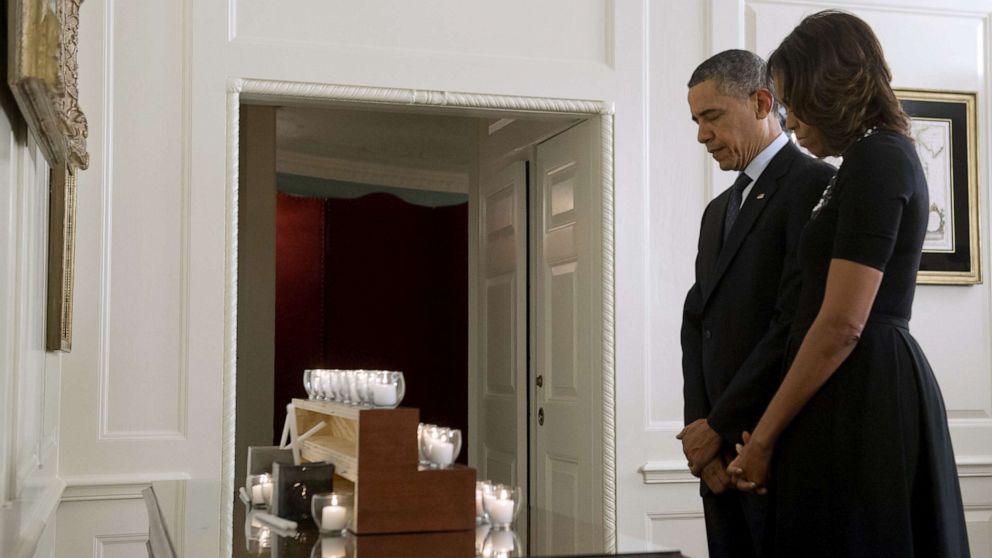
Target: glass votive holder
[(308, 385), (339, 386), (482, 490), (388, 388), (327, 385), (504, 505), (351, 387), (501, 542), (259, 489), (318, 379), (444, 446), (423, 443), (331, 512), (363, 387), (330, 546)]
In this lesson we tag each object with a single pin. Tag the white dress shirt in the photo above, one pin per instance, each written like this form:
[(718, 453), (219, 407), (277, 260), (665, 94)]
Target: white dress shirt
[(759, 163)]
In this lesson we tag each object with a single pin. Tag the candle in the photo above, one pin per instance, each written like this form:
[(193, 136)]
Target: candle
[(442, 452), (333, 518), (478, 502), (501, 512), (332, 547), (256, 495), (267, 493), (384, 395), (487, 499)]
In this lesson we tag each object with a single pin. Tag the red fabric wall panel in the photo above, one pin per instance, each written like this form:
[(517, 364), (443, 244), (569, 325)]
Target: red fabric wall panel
[(299, 328)]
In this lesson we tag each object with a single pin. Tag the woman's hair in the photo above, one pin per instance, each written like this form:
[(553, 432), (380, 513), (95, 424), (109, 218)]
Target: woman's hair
[(835, 78)]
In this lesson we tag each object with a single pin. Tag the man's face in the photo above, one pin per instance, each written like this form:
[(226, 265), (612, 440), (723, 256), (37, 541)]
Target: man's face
[(729, 127)]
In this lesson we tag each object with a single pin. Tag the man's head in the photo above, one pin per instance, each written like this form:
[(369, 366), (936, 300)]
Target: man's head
[(731, 100)]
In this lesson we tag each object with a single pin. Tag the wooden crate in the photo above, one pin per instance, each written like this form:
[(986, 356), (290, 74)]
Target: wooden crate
[(374, 451)]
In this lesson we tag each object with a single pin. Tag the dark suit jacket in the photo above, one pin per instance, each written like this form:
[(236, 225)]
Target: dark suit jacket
[(737, 315)]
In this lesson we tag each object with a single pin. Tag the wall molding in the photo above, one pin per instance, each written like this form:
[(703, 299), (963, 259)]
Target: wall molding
[(323, 93), (281, 91), (677, 472), (185, 223), (101, 542), (367, 172)]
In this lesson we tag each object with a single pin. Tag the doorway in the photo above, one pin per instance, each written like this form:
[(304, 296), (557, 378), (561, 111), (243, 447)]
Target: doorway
[(558, 291)]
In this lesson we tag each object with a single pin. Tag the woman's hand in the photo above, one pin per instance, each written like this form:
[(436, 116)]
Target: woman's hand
[(749, 471)]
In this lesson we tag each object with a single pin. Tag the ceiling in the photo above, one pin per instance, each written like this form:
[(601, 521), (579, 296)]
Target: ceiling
[(377, 139)]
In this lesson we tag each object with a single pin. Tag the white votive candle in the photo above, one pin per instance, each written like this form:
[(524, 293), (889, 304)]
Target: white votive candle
[(478, 503), (333, 518), (487, 501), (442, 453), (501, 512), (384, 394), (256, 495), (333, 547)]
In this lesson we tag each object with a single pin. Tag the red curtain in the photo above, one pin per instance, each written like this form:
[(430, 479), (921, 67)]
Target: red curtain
[(392, 294)]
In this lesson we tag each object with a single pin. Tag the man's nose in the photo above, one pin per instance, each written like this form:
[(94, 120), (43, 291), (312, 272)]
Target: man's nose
[(703, 134)]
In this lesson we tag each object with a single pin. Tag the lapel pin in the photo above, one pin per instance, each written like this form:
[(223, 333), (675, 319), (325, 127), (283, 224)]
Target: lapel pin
[(760, 196)]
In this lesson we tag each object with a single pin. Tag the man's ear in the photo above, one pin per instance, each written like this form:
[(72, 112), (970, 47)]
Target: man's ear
[(764, 102)]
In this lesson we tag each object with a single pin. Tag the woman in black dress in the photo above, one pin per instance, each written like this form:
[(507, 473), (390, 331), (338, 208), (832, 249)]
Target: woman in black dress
[(854, 450)]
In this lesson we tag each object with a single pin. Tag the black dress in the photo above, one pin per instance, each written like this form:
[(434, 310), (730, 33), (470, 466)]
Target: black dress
[(867, 468)]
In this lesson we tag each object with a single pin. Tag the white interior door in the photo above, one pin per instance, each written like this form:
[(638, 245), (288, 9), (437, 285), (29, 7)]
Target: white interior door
[(502, 431), (566, 427)]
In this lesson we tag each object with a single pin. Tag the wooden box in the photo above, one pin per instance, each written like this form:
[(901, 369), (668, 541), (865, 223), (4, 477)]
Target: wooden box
[(374, 452)]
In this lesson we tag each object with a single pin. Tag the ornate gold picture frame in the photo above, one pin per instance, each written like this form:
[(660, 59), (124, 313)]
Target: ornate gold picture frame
[(42, 74), (944, 128)]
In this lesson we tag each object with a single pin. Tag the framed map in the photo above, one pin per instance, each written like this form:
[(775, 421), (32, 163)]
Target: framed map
[(944, 130)]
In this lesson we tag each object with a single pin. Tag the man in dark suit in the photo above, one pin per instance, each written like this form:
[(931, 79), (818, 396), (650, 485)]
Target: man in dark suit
[(738, 313)]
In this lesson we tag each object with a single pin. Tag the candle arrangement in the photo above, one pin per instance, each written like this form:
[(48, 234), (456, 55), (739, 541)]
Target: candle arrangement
[(330, 512), (365, 388)]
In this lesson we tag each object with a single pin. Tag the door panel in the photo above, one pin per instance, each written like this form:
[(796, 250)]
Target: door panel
[(566, 489), (502, 319)]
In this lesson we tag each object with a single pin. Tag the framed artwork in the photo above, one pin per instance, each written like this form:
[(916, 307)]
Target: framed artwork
[(42, 74), (944, 128)]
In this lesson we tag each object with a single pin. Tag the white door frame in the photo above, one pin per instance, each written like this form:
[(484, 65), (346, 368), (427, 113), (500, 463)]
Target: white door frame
[(283, 92)]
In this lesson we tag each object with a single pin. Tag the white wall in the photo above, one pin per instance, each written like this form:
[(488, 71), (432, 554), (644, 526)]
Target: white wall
[(29, 377), (143, 388)]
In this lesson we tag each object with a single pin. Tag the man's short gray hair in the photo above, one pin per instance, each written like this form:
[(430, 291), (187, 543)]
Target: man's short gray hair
[(738, 73)]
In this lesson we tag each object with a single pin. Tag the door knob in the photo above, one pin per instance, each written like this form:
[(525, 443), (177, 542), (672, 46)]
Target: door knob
[(540, 416), (540, 380)]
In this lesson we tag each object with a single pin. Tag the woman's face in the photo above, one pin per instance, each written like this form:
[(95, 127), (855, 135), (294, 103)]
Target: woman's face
[(808, 136)]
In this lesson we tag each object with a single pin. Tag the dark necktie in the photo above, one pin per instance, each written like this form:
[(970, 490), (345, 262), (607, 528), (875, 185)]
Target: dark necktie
[(734, 204)]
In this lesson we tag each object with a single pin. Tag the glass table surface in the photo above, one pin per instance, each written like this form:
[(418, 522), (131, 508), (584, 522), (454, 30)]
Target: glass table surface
[(258, 540)]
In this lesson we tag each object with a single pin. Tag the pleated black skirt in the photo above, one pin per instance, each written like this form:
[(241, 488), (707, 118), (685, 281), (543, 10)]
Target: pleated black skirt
[(867, 468)]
